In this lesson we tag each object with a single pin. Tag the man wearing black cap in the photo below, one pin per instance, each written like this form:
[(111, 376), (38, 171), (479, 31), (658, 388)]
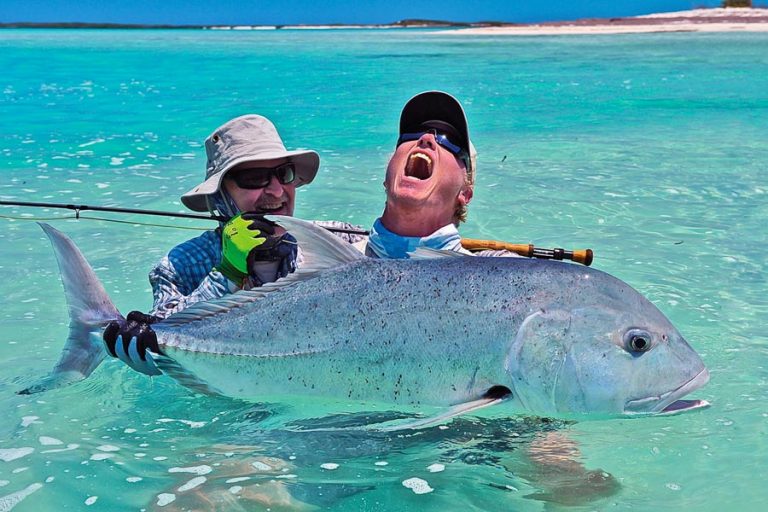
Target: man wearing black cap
[(429, 180)]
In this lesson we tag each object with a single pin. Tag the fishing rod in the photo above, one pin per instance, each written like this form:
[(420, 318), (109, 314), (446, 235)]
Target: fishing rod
[(583, 256), (84, 207), (113, 209)]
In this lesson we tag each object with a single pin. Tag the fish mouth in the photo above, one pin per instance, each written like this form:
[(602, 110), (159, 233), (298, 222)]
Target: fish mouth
[(419, 166), (668, 403)]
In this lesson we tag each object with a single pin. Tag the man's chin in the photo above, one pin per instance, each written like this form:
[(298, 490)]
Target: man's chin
[(411, 189)]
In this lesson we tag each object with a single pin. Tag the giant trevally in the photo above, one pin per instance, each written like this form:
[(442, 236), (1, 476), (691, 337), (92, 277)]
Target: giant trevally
[(440, 329)]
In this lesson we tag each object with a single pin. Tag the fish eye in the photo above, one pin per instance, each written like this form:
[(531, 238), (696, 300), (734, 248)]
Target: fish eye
[(638, 340)]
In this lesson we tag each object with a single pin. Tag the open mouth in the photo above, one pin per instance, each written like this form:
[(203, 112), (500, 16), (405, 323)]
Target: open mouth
[(270, 208), (669, 403), (679, 406), (419, 166)]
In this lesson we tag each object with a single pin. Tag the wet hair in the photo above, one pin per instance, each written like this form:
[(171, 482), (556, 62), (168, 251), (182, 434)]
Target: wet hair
[(460, 215)]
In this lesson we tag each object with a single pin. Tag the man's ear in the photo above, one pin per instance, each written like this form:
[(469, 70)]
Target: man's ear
[(465, 195)]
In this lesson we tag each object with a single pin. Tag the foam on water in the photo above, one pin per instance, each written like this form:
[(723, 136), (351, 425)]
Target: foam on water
[(197, 470), (11, 454), (193, 483), (417, 485), (165, 498)]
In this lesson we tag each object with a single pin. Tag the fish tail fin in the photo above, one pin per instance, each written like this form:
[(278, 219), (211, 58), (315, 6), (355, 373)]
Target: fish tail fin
[(90, 308)]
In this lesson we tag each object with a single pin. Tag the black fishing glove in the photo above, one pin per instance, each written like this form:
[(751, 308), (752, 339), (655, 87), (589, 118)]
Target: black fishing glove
[(275, 247), (133, 341)]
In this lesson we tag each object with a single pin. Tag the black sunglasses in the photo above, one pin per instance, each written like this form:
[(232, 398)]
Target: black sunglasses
[(259, 177), (441, 138)]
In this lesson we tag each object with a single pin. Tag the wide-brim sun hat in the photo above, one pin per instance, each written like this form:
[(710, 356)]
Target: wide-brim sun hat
[(248, 138), (442, 107)]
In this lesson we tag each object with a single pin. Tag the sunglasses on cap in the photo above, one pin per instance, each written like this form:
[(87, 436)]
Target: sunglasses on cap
[(259, 177), (441, 139)]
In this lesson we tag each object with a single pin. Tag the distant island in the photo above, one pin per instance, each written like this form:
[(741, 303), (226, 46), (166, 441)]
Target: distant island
[(409, 23), (731, 18)]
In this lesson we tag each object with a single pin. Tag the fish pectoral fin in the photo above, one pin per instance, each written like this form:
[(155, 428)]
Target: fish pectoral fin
[(493, 396), (320, 249)]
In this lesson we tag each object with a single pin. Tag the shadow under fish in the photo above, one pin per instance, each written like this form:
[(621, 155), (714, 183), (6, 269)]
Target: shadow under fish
[(532, 452)]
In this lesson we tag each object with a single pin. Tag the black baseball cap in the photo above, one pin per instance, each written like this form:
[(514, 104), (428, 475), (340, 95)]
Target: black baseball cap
[(435, 107)]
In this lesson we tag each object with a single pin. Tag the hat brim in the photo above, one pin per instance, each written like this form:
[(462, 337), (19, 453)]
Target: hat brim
[(307, 163), (435, 106)]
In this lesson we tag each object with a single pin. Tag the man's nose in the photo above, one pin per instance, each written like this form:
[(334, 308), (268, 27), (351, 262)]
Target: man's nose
[(274, 188), (427, 141)]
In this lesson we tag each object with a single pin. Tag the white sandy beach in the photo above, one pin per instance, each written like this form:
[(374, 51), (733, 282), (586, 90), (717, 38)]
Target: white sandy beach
[(696, 20)]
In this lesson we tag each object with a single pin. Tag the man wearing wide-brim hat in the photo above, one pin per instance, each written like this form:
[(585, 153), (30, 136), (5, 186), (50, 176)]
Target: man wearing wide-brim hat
[(249, 173)]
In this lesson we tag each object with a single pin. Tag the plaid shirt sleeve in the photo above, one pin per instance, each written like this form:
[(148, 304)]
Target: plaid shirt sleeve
[(186, 275)]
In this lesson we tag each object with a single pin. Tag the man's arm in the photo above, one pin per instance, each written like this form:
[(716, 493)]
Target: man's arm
[(183, 277), (167, 289)]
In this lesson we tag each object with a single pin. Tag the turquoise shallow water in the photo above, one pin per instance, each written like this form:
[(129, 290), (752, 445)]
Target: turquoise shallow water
[(650, 149)]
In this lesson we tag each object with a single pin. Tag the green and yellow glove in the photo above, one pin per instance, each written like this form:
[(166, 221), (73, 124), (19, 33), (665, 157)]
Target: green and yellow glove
[(239, 237)]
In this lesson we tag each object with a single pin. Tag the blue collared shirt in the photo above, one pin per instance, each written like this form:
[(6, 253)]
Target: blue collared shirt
[(383, 243)]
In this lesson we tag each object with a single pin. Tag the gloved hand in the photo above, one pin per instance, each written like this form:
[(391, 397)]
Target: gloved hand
[(133, 341), (241, 237)]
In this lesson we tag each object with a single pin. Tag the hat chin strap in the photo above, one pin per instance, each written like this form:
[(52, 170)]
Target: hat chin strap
[(222, 203)]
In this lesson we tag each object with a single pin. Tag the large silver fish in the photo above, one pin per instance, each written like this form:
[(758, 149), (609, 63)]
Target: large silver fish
[(544, 337)]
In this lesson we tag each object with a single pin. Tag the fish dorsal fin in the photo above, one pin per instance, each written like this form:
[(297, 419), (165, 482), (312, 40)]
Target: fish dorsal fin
[(426, 253), (320, 251)]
